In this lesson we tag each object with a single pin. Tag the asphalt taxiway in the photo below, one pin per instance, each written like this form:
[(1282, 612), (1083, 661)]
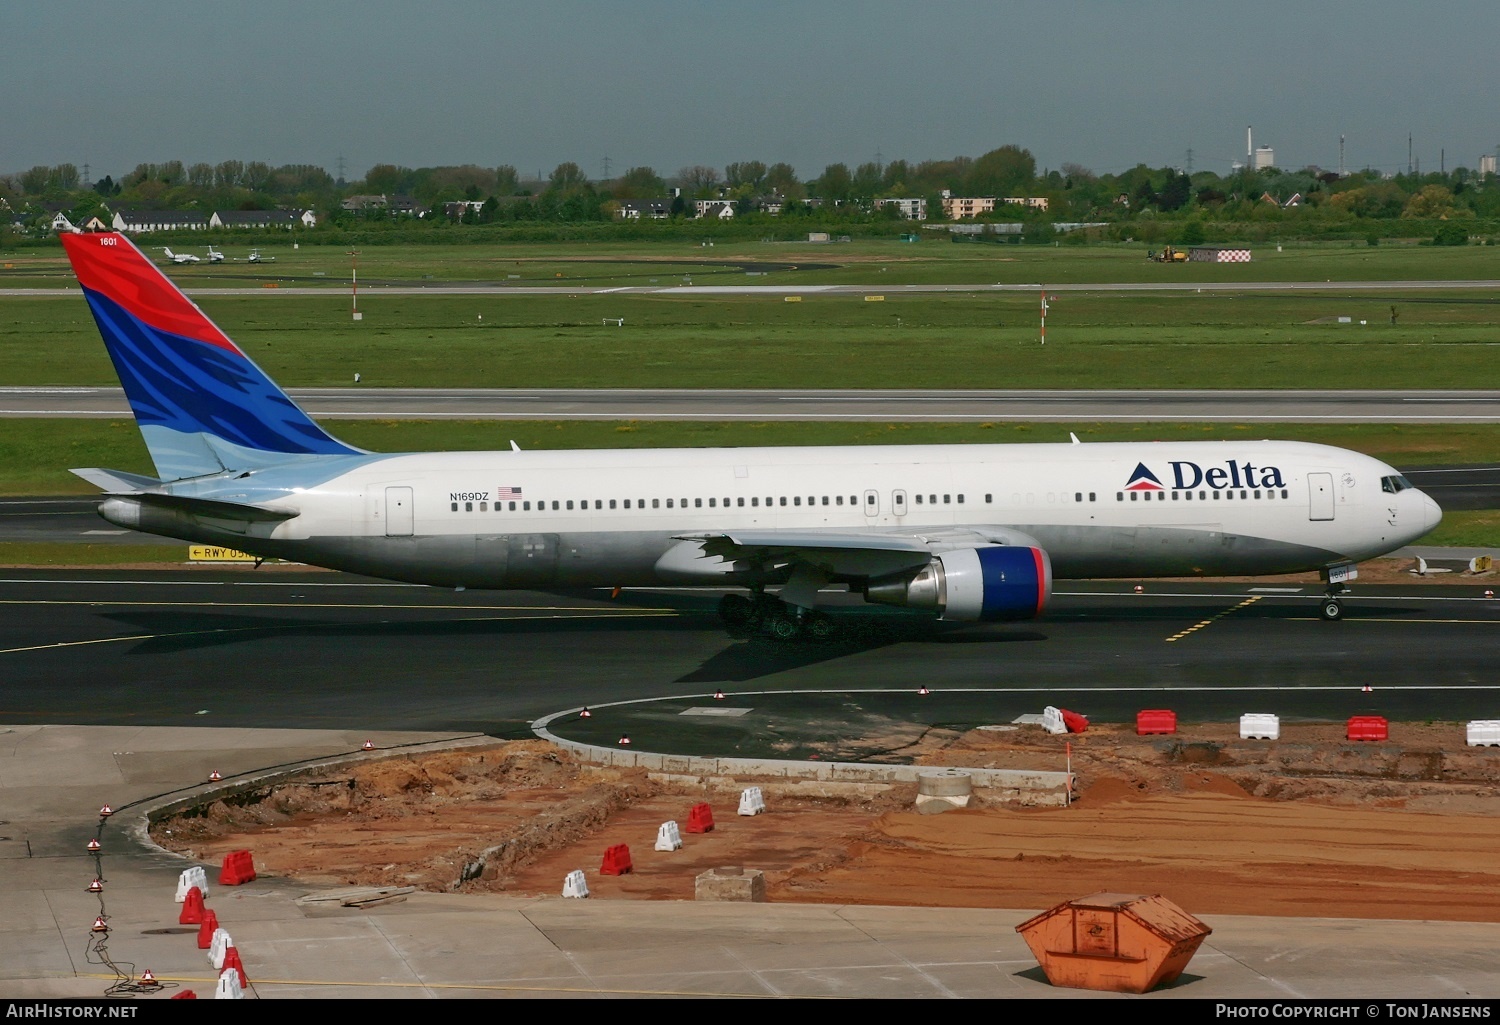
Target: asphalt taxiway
[(285, 648)]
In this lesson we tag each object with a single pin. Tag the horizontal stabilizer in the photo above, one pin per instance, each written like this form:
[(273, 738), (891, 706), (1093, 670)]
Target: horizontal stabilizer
[(215, 509), (116, 482)]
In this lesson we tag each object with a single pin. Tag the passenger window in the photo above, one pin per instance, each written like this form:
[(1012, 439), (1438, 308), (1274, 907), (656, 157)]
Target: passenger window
[(825, 499), (1134, 495), (669, 503), (627, 503), (740, 502), (697, 503), (570, 505), (656, 503), (783, 500), (797, 500), (1119, 496), (454, 507), (838, 500), (512, 507), (989, 499), (755, 501), (484, 507), (526, 507), (1091, 496), (711, 503), (611, 503), (960, 499), (919, 499)]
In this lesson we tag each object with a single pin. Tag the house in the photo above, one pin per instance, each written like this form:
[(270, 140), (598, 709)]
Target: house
[(60, 222), (400, 204), (1032, 202), (287, 219), (644, 209), (159, 220), (94, 224), (714, 208), (362, 203), (913, 209), (456, 210)]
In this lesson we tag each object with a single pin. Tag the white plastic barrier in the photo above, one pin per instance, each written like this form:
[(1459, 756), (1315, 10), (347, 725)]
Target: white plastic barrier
[(1484, 733), (668, 837), (1052, 720), (1259, 726), (218, 946), (752, 802), (190, 878), (229, 986), (574, 885)]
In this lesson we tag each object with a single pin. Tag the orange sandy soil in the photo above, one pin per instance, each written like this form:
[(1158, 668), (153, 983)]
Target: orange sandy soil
[(1311, 825)]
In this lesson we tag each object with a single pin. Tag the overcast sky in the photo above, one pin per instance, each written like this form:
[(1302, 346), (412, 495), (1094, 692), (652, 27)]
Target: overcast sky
[(669, 83)]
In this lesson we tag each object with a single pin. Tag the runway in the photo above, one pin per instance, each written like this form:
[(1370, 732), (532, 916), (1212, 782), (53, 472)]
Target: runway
[(281, 286), (308, 650), (726, 404)]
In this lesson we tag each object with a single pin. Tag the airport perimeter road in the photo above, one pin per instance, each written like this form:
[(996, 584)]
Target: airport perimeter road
[(297, 649), (1240, 406)]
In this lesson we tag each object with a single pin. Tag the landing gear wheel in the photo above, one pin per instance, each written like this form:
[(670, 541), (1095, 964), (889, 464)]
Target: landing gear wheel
[(820, 626), (735, 609), (1331, 610), (784, 627)]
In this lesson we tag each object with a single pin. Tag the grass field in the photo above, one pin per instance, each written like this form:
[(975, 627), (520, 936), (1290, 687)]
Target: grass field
[(926, 340)]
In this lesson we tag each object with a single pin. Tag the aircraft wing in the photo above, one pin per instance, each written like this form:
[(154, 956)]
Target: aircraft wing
[(865, 554)]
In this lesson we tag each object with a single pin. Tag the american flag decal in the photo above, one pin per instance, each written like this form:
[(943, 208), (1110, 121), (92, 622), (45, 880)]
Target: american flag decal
[(507, 493)]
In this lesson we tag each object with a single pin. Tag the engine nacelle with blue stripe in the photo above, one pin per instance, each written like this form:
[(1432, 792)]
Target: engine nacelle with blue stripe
[(971, 585)]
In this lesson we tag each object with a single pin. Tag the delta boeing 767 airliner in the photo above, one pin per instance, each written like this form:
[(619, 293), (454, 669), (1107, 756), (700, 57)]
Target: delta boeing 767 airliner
[(966, 532)]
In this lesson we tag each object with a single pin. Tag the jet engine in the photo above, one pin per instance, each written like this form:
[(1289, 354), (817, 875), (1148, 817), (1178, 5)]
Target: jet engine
[(972, 584)]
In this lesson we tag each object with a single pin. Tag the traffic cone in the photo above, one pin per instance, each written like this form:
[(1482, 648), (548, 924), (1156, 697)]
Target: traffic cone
[(214, 776), (97, 886), (95, 846), (148, 979), (718, 695), (369, 745), (624, 740), (923, 691), (99, 925), (1366, 689), (106, 812), (585, 714)]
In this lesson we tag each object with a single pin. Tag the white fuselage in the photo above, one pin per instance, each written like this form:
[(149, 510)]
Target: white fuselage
[(605, 518)]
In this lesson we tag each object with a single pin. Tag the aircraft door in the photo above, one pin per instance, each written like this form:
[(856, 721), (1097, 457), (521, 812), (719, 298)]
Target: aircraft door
[(398, 512), (872, 505), (1320, 496), (898, 503)]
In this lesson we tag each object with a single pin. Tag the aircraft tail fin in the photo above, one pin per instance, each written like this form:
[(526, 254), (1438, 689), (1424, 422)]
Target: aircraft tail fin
[(202, 405)]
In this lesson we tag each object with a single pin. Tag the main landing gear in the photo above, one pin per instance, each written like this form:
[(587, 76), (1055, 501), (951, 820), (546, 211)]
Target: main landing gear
[(779, 620), (1330, 609)]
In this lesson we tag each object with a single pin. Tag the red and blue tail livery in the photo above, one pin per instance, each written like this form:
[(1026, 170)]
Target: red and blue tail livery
[(202, 405)]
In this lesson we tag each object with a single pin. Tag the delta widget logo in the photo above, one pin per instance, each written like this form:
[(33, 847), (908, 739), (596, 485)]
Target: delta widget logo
[(1143, 480)]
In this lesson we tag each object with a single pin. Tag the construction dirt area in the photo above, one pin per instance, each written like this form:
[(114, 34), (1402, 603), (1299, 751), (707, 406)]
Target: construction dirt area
[(1310, 825)]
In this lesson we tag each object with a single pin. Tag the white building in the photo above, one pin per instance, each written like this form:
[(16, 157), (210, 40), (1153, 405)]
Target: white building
[(1487, 163), (911, 209), (1265, 157), (159, 220)]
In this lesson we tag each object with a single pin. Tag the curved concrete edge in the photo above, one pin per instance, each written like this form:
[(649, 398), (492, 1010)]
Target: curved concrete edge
[(1029, 786), (143, 817)]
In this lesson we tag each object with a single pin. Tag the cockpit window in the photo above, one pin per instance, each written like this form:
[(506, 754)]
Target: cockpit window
[(1394, 484)]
